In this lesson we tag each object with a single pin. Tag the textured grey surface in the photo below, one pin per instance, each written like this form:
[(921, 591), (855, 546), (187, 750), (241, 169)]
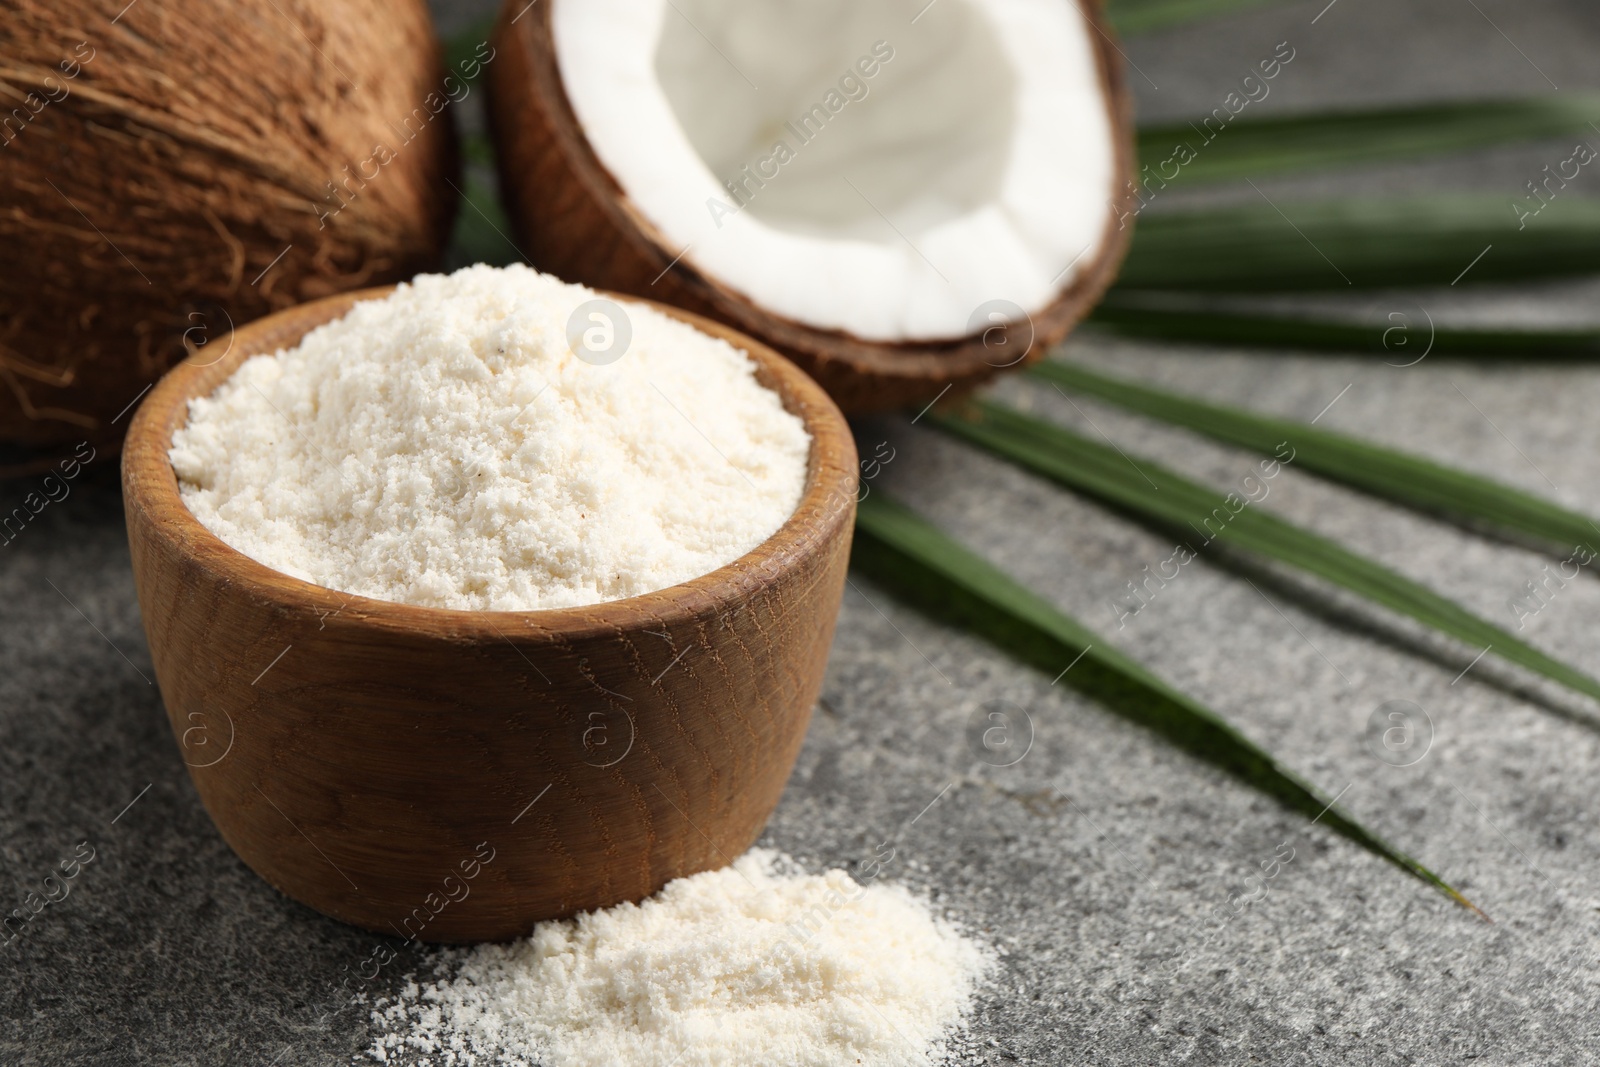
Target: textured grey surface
[(1096, 862)]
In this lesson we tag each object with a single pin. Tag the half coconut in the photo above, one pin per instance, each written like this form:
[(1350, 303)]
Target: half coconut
[(901, 195)]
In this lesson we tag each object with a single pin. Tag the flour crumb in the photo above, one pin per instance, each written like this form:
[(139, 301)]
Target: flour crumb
[(755, 964), (444, 446)]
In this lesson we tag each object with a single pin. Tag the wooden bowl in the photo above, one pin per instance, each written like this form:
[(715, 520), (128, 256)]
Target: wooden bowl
[(461, 775)]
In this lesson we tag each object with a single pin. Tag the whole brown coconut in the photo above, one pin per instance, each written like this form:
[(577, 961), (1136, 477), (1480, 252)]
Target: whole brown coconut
[(574, 219), (172, 168)]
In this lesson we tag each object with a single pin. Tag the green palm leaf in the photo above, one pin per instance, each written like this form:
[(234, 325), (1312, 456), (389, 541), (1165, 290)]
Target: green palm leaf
[(1220, 146), (482, 233), (1385, 472), (463, 47), (1142, 16), (1402, 337), (909, 556), (1338, 244), (1200, 514)]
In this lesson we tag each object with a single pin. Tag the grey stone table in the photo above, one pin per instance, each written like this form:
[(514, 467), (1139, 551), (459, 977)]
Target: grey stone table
[(1096, 863)]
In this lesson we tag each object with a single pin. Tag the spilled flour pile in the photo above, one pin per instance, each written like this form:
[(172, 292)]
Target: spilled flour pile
[(449, 446), (753, 965)]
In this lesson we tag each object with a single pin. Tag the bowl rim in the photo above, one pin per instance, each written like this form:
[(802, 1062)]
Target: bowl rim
[(150, 489)]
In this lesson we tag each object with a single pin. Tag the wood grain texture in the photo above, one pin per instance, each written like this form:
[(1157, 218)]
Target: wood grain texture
[(366, 757), (573, 220)]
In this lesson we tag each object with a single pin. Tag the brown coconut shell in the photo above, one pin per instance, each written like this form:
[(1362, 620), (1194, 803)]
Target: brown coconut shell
[(573, 220), (179, 167)]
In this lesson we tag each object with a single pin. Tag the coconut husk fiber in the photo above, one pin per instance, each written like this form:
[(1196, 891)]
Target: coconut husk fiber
[(175, 167)]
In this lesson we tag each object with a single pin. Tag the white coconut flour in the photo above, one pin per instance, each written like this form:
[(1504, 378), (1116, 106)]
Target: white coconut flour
[(445, 446), (754, 965)]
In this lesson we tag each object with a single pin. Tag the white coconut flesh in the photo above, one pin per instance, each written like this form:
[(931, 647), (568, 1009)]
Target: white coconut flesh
[(886, 168)]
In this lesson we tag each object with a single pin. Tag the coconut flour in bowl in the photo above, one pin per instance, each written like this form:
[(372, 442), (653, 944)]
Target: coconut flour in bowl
[(498, 440), (494, 439)]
